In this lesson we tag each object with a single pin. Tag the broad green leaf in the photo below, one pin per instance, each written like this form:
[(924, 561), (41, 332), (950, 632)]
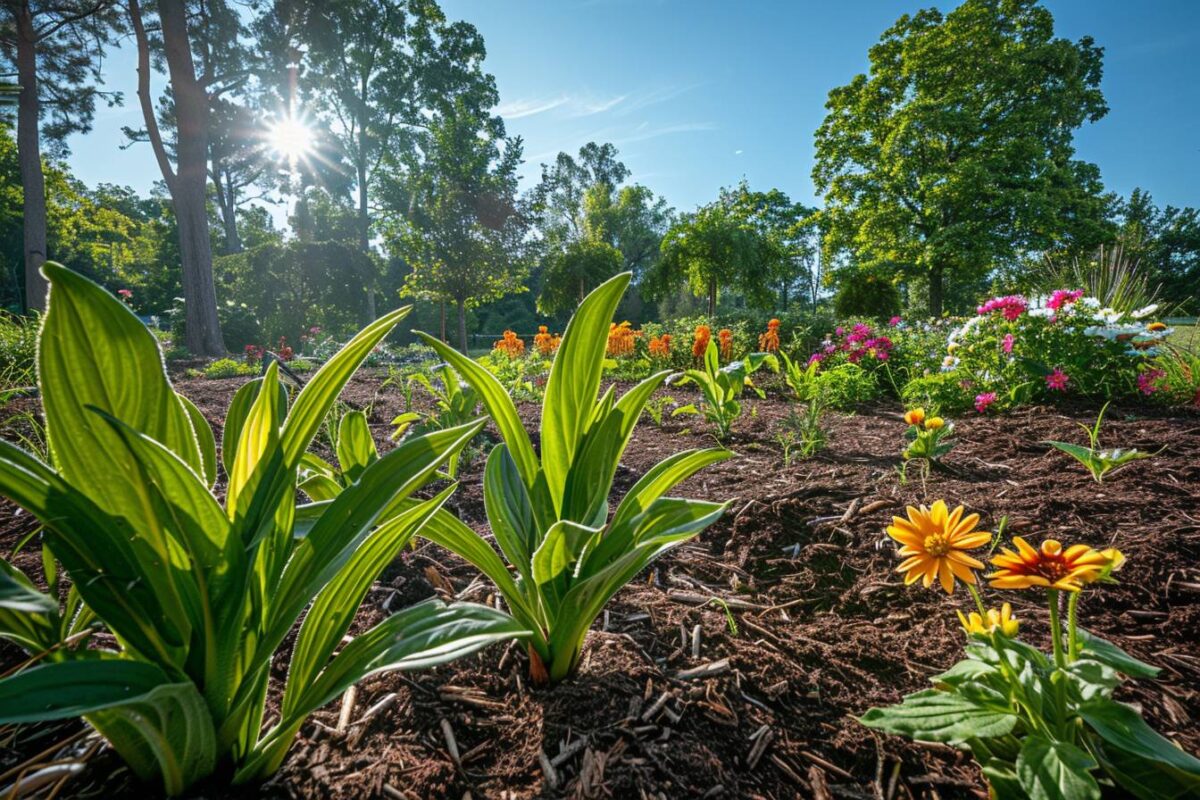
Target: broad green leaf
[(204, 440), (937, 716), (509, 509), (560, 549), (1097, 649), (66, 689), (28, 618), (239, 409), (663, 477), (575, 379), (355, 448), (94, 351), (259, 435), (17, 593), (1142, 777), (1056, 770), (966, 670), (499, 405), (1122, 727)]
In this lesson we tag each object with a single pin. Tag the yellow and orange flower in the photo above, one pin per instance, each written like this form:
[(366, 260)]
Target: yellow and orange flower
[(700, 342), (511, 345), (545, 342), (935, 541), (769, 341), (1052, 567), (997, 620), (1156, 327), (933, 423), (914, 416), (725, 343), (660, 346), (620, 339)]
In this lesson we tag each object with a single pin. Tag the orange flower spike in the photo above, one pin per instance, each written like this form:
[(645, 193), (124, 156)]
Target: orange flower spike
[(511, 345), (1050, 566), (620, 339), (660, 346), (544, 342), (725, 343), (934, 543), (700, 344), (769, 341)]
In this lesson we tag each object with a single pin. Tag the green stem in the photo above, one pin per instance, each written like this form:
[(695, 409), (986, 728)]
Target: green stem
[(1059, 680), (978, 601), (1072, 626), (1055, 628)]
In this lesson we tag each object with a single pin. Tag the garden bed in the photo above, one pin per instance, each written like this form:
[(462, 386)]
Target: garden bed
[(753, 695)]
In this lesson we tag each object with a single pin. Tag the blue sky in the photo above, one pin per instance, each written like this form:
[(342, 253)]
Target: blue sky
[(697, 94)]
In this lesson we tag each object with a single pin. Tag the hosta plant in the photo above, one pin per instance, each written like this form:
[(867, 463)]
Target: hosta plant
[(1042, 727), (199, 594), (721, 387), (1099, 461), (549, 509), (454, 404)]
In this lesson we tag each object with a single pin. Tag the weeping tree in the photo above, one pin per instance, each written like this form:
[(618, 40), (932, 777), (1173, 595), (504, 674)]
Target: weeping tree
[(55, 52)]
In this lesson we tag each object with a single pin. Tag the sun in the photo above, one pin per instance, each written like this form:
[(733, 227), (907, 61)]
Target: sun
[(291, 138)]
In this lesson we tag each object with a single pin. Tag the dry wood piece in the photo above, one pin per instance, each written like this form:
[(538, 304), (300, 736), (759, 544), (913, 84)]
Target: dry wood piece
[(765, 735), (704, 670), (820, 786), (451, 742), (548, 770), (349, 698)]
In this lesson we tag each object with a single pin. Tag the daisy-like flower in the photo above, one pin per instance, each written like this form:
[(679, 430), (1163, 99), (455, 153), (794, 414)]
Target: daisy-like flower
[(915, 416), (997, 620), (933, 423), (1051, 567), (934, 543), (1057, 380)]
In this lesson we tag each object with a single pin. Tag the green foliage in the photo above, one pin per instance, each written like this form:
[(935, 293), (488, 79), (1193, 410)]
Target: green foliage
[(454, 404), (229, 368), (18, 349), (843, 387), (1041, 729), (721, 387), (802, 435), (1098, 461), (549, 510), (929, 439), (200, 595), (865, 294), (941, 391), (657, 406), (954, 152)]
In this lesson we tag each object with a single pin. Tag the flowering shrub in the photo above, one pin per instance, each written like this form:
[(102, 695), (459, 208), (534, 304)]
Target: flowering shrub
[(545, 342), (511, 345), (769, 341), (1040, 726), (621, 339), (1015, 350), (854, 345)]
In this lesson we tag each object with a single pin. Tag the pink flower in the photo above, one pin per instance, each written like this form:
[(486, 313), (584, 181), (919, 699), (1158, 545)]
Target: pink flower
[(126, 294), (1007, 344), (1148, 381), (1057, 380), (894, 321), (982, 401), (1062, 297), (1012, 306)]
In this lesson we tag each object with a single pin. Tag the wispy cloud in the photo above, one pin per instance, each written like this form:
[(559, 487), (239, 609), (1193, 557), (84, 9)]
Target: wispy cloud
[(516, 109), (579, 105), (588, 107), (646, 131)]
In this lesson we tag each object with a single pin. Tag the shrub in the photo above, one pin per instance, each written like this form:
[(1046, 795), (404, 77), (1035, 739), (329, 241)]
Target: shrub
[(200, 595), (941, 392), (228, 368), (549, 510), (865, 294), (844, 387), (18, 349), (239, 324)]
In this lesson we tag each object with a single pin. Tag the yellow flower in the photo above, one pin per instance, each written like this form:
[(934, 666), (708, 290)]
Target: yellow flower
[(1051, 566), (1155, 327), (950, 348), (934, 542), (1001, 620), (914, 417), (933, 423)]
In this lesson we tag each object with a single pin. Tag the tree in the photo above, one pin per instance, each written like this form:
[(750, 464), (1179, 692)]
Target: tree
[(55, 49), (590, 226), (791, 227), (378, 71), (1165, 243), (456, 219), (955, 151), (722, 244), (187, 178)]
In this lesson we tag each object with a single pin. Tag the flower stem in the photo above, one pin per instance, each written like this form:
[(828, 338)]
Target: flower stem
[(1055, 627), (978, 601), (1072, 626)]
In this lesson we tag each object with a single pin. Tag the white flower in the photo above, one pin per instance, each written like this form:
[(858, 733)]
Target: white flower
[(1043, 313), (1089, 302), (1145, 312), (1109, 315)]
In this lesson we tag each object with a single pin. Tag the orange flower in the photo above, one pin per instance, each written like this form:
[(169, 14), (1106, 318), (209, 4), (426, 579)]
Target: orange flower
[(511, 345), (934, 542), (725, 343), (660, 346), (769, 341), (620, 339), (914, 417), (700, 344), (545, 342), (1050, 566)]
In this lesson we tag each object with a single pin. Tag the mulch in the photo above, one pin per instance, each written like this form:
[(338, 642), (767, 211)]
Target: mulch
[(736, 666)]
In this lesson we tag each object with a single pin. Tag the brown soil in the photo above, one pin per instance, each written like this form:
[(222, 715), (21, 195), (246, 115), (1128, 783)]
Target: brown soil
[(818, 629)]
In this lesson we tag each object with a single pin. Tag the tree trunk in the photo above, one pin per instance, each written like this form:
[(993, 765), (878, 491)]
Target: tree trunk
[(190, 196), (33, 183), (462, 326), (712, 297), (443, 305), (936, 290), (227, 205), (364, 225)]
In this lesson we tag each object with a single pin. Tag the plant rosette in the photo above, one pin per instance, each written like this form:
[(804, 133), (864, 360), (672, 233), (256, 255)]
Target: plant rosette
[(1041, 727)]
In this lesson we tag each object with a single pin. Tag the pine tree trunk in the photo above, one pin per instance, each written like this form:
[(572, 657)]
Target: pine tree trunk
[(936, 291), (33, 183), (190, 192), (227, 205)]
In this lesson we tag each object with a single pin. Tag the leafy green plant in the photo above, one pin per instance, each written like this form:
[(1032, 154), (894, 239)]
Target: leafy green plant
[(1041, 727), (550, 515), (1098, 461), (841, 387), (200, 595), (721, 387), (803, 434), (800, 377), (454, 402), (929, 437), (229, 368), (657, 406), (18, 349)]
